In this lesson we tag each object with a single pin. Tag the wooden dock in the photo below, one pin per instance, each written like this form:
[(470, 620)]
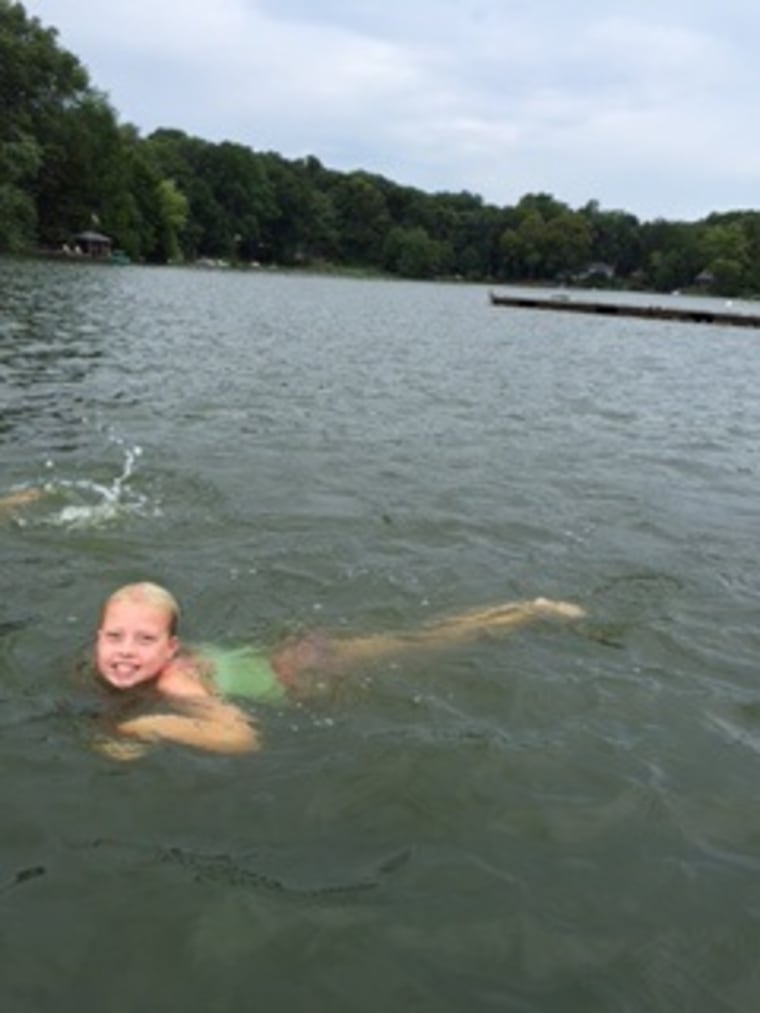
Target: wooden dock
[(564, 303)]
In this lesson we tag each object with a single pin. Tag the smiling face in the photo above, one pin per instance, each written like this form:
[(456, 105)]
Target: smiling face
[(134, 643)]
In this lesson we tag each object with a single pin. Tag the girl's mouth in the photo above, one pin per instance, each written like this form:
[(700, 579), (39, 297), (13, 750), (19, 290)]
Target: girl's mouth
[(123, 674)]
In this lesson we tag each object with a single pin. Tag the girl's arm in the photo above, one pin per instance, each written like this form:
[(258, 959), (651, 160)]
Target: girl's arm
[(209, 724), (20, 498)]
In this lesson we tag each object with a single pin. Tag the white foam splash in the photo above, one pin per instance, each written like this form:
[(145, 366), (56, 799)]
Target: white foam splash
[(103, 503)]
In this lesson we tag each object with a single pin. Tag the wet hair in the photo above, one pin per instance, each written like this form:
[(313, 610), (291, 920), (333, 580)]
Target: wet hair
[(148, 594)]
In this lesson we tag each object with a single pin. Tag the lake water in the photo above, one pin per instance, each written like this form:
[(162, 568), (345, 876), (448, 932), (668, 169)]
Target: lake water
[(563, 819)]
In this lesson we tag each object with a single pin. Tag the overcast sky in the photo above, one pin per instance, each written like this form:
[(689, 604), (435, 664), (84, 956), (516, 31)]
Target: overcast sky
[(649, 107)]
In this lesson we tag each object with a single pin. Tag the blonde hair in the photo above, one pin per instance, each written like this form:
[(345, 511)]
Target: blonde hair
[(149, 594)]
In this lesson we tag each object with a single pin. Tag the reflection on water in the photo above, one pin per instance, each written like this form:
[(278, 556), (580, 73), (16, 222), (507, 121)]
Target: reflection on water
[(564, 819)]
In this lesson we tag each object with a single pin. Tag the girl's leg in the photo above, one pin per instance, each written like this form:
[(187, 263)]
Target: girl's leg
[(448, 632), (313, 655)]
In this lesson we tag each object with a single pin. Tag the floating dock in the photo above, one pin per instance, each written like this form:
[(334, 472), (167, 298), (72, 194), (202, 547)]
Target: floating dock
[(568, 304)]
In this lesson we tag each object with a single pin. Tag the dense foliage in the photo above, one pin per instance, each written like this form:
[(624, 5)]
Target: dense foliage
[(67, 164)]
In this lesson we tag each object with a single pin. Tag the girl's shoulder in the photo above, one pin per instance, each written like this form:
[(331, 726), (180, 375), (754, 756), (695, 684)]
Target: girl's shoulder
[(189, 674)]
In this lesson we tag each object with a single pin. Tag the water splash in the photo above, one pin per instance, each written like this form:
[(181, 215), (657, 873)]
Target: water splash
[(92, 504)]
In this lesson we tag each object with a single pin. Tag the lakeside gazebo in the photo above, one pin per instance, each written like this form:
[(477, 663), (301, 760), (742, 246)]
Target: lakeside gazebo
[(94, 244)]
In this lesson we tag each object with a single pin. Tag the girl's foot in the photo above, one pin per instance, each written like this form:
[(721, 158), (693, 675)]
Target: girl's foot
[(566, 609)]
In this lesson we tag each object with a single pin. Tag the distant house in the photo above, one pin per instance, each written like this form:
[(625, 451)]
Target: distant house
[(597, 269), (93, 244)]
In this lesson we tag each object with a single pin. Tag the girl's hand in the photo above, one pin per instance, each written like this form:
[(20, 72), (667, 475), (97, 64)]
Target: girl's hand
[(20, 498), (119, 749)]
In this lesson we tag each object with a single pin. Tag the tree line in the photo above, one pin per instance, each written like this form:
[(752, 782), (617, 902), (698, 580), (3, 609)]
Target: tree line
[(67, 164)]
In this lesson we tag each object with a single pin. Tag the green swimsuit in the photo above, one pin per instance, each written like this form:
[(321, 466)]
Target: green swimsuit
[(243, 671)]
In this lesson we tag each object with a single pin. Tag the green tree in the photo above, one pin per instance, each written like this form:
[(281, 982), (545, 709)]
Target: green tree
[(728, 276), (19, 163), (172, 154), (750, 222), (231, 204), (412, 253), (615, 238), (82, 181), (362, 219), (532, 233), (724, 248), (172, 207), (543, 239), (300, 224), (38, 81), (567, 244), (670, 255), (238, 181)]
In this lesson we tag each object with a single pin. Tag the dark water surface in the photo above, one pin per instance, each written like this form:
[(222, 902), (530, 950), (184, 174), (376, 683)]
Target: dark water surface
[(565, 819)]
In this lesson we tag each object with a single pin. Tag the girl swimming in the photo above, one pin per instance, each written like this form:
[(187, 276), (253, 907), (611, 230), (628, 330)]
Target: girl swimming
[(137, 644)]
